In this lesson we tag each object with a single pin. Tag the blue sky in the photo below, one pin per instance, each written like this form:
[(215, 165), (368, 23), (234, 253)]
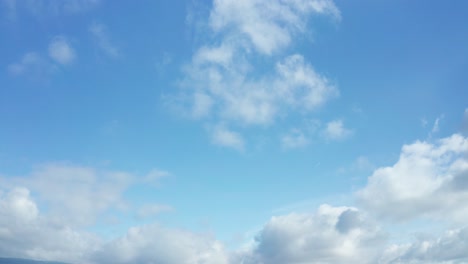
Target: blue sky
[(226, 131)]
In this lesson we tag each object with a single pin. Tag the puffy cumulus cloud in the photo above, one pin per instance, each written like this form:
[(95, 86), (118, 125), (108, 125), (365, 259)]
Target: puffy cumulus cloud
[(26, 233), (244, 77), (429, 179), (155, 244), (229, 95), (332, 235), (61, 51), (450, 248)]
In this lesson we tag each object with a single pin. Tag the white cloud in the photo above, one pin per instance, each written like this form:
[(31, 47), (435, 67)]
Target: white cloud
[(231, 96), (26, 233), (295, 139), (267, 25), (436, 127), (449, 248), (69, 189), (155, 244), (224, 137), (329, 235), (61, 51), (31, 64), (335, 130), (429, 179), (101, 35), (231, 80), (332, 235)]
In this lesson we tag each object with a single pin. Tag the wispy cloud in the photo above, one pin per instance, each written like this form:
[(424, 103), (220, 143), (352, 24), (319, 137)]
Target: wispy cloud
[(33, 65), (101, 35), (224, 137), (295, 139), (41, 8)]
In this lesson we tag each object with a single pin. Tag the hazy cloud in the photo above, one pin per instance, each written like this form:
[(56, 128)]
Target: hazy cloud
[(61, 51), (224, 137), (294, 139), (101, 36)]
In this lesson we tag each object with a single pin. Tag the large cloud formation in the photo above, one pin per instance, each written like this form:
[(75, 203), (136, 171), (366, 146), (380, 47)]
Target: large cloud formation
[(429, 179), (329, 235)]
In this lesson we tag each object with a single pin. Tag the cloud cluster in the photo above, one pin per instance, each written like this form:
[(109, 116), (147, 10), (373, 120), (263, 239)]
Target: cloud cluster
[(37, 66), (243, 77), (429, 179), (30, 226), (26, 233)]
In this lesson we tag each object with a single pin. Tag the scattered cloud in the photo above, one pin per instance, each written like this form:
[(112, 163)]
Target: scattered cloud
[(155, 244), (61, 51), (294, 139), (232, 98), (31, 64), (224, 137), (26, 233), (428, 180), (227, 81), (69, 189), (335, 130), (329, 235), (101, 36)]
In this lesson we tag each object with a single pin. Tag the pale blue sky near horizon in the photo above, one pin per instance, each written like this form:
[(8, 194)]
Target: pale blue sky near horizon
[(108, 85)]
